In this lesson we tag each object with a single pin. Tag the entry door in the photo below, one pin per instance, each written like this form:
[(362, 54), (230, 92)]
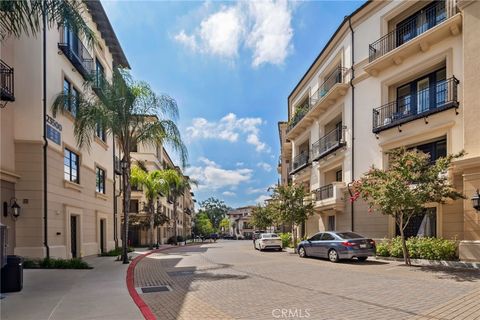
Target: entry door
[(102, 235), (423, 95), (73, 235)]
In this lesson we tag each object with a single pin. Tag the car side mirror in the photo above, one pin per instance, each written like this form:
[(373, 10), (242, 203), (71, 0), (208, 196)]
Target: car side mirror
[(309, 239)]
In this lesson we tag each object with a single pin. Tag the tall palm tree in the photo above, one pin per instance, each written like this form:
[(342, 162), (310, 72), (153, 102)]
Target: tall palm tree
[(176, 190), (19, 17), (133, 114), (154, 183)]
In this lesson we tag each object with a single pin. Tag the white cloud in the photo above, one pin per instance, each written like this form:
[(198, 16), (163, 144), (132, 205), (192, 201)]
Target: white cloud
[(239, 164), (265, 166), (228, 193), (211, 176), (229, 128), (257, 190), (261, 199), (262, 26)]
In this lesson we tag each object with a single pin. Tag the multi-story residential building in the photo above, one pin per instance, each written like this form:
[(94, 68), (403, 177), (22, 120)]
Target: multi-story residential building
[(240, 222), (156, 158), (394, 73), (66, 194)]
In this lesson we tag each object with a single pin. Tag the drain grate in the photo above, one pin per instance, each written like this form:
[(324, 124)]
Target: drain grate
[(180, 273), (155, 289)]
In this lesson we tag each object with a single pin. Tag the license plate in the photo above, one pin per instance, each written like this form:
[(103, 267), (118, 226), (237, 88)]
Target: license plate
[(363, 246)]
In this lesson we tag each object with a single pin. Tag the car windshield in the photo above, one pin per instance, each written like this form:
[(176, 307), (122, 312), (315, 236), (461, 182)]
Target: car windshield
[(349, 235), (269, 235)]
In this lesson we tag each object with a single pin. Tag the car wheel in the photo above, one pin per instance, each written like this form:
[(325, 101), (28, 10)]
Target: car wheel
[(362, 259), (302, 253), (333, 255), (280, 249)]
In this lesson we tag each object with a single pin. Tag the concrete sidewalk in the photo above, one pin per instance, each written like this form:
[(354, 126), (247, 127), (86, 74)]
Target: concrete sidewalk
[(99, 293)]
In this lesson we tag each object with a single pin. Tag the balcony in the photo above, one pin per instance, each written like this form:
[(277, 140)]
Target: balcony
[(299, 162), (6, 82), (334, 87), (75, 51), (439, 97), (328, 144), (99, 82), (330, 196), (428, 26)]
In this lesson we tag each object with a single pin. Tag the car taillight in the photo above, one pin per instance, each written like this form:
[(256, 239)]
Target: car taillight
[(348, 244), (372, 242)]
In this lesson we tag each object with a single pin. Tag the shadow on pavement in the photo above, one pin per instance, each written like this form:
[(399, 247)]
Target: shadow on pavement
[(457, 274)]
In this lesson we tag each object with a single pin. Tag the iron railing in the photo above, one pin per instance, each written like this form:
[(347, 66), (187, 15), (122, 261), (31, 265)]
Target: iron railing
[(337, 76), (324, 192), (6, 82), (300, 112), (437, 97), (300, 161), (328, 143), (117, 165), (423, 20), (75, 51), (99, 82)]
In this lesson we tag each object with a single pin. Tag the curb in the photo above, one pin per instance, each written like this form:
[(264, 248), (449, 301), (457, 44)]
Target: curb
[(144, 308), (436, 263)]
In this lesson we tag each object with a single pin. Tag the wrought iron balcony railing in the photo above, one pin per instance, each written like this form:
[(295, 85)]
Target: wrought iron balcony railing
[(419, 23), (324, 192), (6, 82), (299, 162), (99, 82), (438, 97), (337, 76), (75, 51), (328, 143)]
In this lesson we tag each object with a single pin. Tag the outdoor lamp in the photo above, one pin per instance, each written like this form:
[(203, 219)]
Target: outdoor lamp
[(476, 201), (15, 208)]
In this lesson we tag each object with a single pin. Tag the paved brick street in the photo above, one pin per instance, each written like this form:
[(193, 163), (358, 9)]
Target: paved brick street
[(230, 280)]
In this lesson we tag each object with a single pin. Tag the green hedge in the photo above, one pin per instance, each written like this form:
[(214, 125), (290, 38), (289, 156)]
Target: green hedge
[(52, 263), (115, 252), (419, 248), (286, 240)]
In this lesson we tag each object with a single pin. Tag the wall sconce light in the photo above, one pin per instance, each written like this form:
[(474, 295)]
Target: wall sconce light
[(15, 208), (476, 201)]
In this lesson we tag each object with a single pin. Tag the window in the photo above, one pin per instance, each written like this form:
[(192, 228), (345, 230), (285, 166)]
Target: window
[(422, 225), (100, 180), (331, 223), (349, 235), (70, 166), (100, 132), (316, 237), (72, 101), (338, 176), (133, 148), (133, 206), (99, 74), (435, 149), (327, 237)]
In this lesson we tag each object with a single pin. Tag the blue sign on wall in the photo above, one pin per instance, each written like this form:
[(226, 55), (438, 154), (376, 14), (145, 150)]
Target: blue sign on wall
[(53, 134)]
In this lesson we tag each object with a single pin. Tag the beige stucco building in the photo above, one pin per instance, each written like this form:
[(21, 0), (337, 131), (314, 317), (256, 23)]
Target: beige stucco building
[(157, 158), (395, 73), (66, 194)]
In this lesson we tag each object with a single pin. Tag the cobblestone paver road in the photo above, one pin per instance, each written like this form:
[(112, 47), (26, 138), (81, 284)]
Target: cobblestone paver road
[(231, 280)]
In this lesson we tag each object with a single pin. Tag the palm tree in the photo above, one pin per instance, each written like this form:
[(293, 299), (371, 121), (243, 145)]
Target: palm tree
[(154, 183), (133, 114), (177, 187), (19, 17)]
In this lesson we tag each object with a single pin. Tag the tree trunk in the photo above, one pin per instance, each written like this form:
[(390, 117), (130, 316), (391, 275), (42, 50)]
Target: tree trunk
[(126, 208), (175, 220), (151, 213), (406, 255), (294, 237)]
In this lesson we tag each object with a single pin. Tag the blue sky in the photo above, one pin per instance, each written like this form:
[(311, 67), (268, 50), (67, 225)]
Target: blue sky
[(230, 66)]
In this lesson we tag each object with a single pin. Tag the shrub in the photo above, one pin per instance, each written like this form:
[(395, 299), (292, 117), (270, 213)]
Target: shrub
[(286, 239), (171, 239), (115, 252), (52, 263), (420, 248)]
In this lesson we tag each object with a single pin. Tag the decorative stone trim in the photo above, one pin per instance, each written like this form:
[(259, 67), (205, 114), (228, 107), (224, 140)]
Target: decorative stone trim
[(72, 185)]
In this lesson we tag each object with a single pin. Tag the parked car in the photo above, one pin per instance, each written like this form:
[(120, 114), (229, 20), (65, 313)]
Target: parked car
[(268, 241), (337, 245), (256, 234)]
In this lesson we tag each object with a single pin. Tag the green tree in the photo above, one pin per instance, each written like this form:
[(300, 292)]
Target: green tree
[(19, 17), (406, 186), (291, 205), (225, 225), (133, 114), (154, 183), (262, 217), (203, 225), (215, 209)]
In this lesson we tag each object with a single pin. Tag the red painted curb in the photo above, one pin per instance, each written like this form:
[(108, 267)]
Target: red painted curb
[(144, 309)]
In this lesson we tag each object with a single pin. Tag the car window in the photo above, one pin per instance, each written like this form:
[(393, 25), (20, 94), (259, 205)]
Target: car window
[(269, 235), (327, 236), (316, 237), (349, 235)]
